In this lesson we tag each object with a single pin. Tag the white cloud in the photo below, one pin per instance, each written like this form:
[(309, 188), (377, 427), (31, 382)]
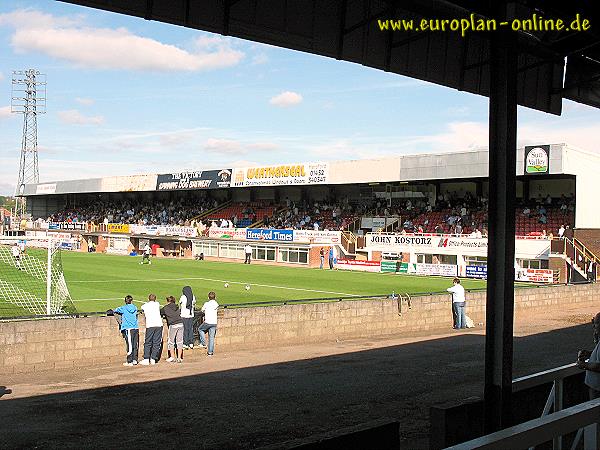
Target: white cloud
[(84, 101), (4, 112), (228, 146), (33, 19), (263, 146), (102, 48), (261, 58), (576, 134), (286, 99), (73, 116)]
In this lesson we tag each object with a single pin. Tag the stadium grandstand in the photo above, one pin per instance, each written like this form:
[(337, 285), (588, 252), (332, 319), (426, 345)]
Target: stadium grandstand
[(353, 205)]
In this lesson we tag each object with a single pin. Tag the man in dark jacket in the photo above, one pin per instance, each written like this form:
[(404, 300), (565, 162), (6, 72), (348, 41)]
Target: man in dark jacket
[(175, 323)]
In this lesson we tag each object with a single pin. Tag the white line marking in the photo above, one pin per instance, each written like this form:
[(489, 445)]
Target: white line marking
[(218, 281)]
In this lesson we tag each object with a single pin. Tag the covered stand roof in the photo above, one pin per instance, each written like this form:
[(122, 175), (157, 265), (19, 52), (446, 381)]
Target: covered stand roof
[(349, 30)]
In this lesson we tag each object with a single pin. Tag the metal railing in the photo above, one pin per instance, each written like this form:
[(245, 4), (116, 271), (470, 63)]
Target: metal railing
[(537, 431), (579, 257), (554, 423)]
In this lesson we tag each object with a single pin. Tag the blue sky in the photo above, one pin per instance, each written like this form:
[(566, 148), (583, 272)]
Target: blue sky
[(129, 96)]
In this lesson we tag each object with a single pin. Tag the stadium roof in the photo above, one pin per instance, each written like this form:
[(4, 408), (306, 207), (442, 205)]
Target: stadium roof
[(349, 30), (469, 164)]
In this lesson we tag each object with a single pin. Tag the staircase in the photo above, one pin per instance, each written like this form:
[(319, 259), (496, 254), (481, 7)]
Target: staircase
[(577, 256)]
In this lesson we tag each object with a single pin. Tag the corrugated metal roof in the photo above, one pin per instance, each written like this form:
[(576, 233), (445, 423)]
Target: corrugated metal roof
[(349, 30)]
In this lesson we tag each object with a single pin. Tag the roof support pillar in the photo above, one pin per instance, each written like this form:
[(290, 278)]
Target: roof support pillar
[(501, 213)]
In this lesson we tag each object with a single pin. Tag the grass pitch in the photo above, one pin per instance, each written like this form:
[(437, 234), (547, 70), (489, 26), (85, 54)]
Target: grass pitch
[(98, 282)]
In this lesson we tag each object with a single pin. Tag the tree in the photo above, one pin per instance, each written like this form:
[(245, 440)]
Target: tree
[(7, 202)]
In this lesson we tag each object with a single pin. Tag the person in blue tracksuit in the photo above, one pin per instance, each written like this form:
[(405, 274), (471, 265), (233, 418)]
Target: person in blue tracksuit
[(130, 330)]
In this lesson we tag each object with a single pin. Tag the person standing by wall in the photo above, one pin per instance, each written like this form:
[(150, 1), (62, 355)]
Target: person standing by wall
[(130, 330), (322, 257), (210, 323), (592, 365), (187, 301), (458, 303), (154, 330), (248, 253), (175, 323), (331, 257)]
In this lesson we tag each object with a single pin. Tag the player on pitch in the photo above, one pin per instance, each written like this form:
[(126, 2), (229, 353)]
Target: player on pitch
[(146, 255)]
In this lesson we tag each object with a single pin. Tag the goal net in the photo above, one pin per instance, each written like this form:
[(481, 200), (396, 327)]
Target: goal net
[(31, 277)]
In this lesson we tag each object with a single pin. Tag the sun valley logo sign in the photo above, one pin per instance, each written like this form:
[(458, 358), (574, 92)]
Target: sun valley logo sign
[(537, 159)]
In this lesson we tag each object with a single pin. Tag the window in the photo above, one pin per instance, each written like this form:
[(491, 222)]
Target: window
[(436, 259), (530, 263), (208, 248), (296, 255), (476, 260), (231, 251), (263, 252)]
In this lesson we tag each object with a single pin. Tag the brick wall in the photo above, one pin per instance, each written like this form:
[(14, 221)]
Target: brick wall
[(31, 346), (560, 265), (314, 256)]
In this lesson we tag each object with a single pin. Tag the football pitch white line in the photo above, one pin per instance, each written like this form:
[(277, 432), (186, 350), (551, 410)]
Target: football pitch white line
[(213, 280)]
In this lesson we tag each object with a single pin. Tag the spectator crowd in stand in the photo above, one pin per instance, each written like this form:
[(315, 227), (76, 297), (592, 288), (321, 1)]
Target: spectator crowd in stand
[(324, 215), (451, 213), (178, 212)]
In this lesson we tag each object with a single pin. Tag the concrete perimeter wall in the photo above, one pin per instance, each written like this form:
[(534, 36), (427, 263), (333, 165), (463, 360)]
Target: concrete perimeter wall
[(36, 345)]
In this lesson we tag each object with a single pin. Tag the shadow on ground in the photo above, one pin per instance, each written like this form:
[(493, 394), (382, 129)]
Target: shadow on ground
[(256, 406)]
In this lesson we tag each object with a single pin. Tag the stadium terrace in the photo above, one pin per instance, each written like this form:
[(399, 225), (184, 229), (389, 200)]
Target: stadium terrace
[(426, 211)]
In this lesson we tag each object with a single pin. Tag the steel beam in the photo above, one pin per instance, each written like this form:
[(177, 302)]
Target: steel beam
[(501, 240)]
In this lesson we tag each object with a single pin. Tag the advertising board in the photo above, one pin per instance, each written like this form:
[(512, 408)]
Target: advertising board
[(122, 228), (201, 179), (258, 234), (283, 175), (446, 270), (476, 272), (359, 265), (394, 267), (163, 230), (537, 159), (447, 244), (227, 233), (535, 275), (317, 237)]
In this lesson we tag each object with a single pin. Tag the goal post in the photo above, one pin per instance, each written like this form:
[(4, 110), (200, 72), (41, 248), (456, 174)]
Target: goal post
[(32, 280)]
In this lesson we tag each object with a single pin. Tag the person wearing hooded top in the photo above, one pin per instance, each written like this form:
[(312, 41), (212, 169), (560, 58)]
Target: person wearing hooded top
[(130, 329), (187, 301), (175, 323)]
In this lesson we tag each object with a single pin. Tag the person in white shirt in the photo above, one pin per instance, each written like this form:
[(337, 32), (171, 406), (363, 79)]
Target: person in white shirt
[(561, 231), (146, 255), (210, 323), (590, 361), (248, 253), (458, 304), (187, 301), (16, 252), (154, 331)]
